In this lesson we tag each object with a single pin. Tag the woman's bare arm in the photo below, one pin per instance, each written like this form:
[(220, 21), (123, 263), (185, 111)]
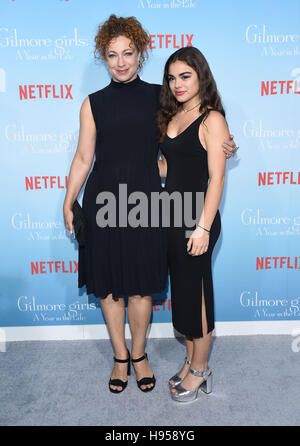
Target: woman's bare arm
[(214, 133), (82, 160)]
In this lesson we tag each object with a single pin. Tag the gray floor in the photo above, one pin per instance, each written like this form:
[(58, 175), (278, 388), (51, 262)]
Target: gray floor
[(256, 382)]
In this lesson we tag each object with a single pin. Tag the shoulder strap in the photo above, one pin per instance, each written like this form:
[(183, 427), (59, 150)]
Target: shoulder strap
[(212, 109)]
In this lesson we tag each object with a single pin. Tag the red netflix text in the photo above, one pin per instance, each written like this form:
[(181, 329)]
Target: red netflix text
[(278, 262), (54, 266), (279, 87), (273, 178), (170, 40), (45, 91), (46, 182), (165, 305)]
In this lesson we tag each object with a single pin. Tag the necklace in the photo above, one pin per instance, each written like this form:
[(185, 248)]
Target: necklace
[(187, 110)]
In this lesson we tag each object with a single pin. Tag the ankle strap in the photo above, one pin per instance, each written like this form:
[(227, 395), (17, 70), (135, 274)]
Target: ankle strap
[(122, 360), (140, 359), (187, 361), (203, 374)]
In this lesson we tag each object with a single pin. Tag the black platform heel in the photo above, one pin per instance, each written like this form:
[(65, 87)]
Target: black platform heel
[(144, 381), (119, 382)]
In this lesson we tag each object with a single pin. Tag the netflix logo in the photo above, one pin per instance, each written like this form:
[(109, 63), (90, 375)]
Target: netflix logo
[(170, 41), (46, 182), (277, 263), (272, 178), (48, 91), (162, 305), (52, 267), (279, 87)]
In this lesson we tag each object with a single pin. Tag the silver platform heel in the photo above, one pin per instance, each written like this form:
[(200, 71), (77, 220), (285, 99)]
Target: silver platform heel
[(176, 379), (185, 396)]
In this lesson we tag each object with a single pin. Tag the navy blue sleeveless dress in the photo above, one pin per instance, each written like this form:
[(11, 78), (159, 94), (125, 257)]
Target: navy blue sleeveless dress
[(123, 260), (188, 172)]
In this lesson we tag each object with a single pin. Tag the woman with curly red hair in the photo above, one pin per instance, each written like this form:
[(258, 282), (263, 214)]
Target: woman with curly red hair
[(118, 125)]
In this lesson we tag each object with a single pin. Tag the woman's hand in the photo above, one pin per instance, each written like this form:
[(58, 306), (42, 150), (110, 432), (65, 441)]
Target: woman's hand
[(198, 242), (68, 217), (229, 147)]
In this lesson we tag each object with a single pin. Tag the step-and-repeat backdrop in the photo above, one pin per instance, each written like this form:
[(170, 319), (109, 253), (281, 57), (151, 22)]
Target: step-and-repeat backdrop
[(47, 69)]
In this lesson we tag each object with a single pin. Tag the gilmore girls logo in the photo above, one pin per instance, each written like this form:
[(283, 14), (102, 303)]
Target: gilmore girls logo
[(53, 312), (272, 43), (260, 34), (12, 38), (38, 230), (270, 225), (266, 307), (270, 137), (21, 222), (42, 141)]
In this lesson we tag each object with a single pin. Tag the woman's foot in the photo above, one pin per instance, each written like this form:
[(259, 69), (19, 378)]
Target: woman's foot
[(183, 372), (118, 379), (190, 381), (142, 369), (119, 372)]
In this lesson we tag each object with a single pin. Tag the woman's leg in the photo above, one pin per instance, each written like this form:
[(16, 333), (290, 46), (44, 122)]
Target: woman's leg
[(189, 354), (199, 363), (201, 348), (139, 313), (114, 313)]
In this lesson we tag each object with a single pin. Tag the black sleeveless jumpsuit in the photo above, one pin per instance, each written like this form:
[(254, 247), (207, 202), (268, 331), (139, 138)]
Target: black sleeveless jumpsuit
[(123, 260), (188, 172)]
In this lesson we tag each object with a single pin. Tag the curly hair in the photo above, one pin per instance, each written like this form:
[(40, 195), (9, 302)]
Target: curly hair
[(121, 26), (208, 91)]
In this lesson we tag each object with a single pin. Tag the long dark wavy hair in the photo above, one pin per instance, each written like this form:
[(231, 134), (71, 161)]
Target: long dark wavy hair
[(208, 91)]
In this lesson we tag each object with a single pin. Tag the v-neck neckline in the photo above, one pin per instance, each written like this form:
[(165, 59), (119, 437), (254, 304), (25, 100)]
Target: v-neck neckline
[(183, 131)]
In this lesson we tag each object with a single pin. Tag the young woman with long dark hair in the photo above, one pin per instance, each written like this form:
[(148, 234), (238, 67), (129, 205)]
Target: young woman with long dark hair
[(192, 127)]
